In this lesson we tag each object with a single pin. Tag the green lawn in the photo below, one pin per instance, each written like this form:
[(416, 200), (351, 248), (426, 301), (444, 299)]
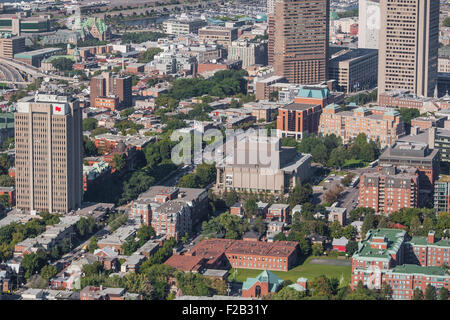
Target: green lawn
[(355, 164), (306, 270)]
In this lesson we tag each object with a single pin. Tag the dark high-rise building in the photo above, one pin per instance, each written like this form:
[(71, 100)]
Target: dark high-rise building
[(300, 40), (107, 86)]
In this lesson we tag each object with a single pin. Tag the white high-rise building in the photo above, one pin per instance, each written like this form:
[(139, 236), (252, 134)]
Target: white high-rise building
[(369, 24)]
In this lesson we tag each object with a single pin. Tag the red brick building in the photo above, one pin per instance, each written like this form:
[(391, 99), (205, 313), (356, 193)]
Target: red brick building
[(385, 255), (298, 119), (277, 256), (264, 284), (11, 193), (111, 103), (389, 190)]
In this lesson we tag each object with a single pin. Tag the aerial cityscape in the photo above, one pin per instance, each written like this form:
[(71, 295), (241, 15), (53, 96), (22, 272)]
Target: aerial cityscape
[(248, 150)]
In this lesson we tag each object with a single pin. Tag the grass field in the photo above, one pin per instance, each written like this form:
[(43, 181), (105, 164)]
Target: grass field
[(306, 270)]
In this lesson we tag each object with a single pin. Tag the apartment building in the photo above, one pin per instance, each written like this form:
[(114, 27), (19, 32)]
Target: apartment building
[(389, 190), (444, 64), (249, 52), (384, 126), (217, 34), (354, 69), (298, 120), (48, 140), (9, 46), (408, 46), (386, 255), (429, 251), (263, 87), (417, 155), (183, 26), (171, 211), (442, 194), (107, 86), (300, 40)]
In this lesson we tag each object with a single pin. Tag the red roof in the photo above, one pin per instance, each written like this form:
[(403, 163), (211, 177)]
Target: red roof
[(185, 263)]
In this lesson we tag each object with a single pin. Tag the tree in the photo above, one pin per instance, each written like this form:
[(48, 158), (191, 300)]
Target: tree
[(333, 194), (349, 232), (48, 272), (352, 247), (89, 148), (443, 294), (430, 292), (288, 293), (92, 244), (148, 55), (418, 294), (361, 293), (89, 124), (385, 291), (321, 286), (317, 249), (5, 201), (370, 222), (446, 22), (299, 195), (414, 228), (189, 181), (336, 229), (337, 158), (250, 207), (118, 162), (145, 232), (231, 198), (62, 64), (6, 181)]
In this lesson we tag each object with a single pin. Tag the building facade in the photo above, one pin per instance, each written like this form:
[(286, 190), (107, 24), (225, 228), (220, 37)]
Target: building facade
[(418, 155), (249, 53), (283, 169), (183, 26), (217, 34), (383, 126), (409, 41), (389, 190), (386, 255), (48, 140), (107, 86), (354, 69), (369, 24), (300, 40), (297, 120)]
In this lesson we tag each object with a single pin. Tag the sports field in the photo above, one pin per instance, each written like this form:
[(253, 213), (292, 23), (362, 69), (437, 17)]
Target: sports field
[(311, 268)]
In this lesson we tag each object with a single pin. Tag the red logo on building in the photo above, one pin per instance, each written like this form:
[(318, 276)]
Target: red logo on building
[(57, 108)]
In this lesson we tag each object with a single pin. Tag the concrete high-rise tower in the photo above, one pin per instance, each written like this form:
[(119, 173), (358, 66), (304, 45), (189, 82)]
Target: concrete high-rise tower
[(300, 40), (369, 24), (408, 46), (48, 142)]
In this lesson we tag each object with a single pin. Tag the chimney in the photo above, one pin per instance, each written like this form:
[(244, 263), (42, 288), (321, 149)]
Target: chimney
[(431, 137), (430, 239)]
